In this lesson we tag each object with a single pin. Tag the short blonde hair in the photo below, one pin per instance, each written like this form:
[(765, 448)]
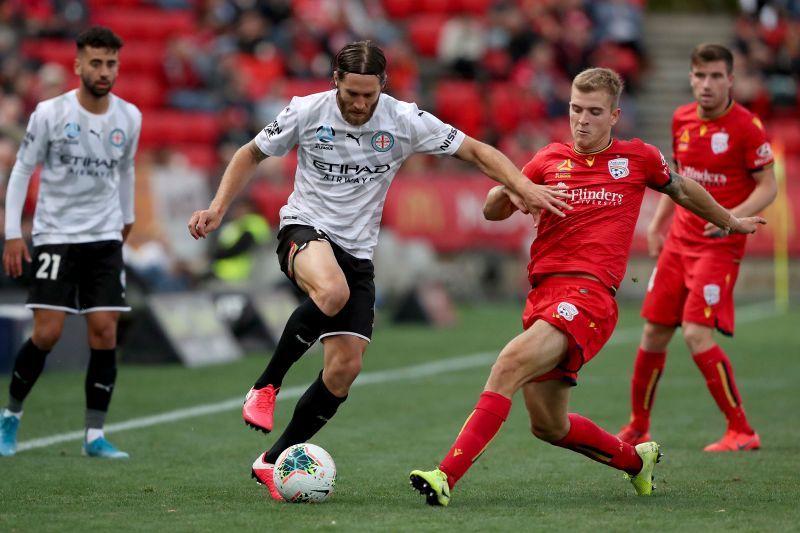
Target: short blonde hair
[(600, 79)]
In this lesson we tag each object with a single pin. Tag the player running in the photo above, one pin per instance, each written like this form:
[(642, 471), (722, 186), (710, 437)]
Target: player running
[(577, 263), (86, 141), (352, 141), (723, 147)]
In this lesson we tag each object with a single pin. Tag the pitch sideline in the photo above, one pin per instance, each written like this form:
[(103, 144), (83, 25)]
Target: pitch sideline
[(749, 313)]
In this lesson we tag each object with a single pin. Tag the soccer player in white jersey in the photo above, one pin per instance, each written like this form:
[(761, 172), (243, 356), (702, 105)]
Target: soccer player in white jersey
[(352, 141), (85, 141)]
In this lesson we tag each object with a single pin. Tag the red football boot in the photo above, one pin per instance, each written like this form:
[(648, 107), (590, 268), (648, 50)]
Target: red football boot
[(733, 441), (262, 473), (259, 405)]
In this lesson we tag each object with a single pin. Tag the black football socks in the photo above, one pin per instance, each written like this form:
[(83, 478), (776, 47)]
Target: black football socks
[(313, 410), (27, 369), (301, 331)]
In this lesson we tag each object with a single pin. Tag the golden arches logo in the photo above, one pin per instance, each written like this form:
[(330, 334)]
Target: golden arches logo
[(420, 210)]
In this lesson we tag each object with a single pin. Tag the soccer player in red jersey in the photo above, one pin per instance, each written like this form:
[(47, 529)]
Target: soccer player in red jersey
[(577, 263), (723, 147)]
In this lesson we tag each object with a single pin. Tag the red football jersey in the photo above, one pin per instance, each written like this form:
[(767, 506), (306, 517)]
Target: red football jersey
[(720, 155), (606, 191)]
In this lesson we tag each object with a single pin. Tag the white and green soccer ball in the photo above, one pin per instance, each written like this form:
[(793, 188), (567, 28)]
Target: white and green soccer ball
[(304, 473)]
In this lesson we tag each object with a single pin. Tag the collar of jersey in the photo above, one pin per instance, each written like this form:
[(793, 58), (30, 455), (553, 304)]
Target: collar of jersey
[(610, 143), (727, 110)]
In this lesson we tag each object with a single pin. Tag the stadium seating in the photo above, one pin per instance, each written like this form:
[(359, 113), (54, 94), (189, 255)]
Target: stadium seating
[(424, 30), (168, 127), (142, 24), (460, 103)]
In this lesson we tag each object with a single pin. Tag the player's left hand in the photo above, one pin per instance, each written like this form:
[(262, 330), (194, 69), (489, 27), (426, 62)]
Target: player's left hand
[(537, 197)]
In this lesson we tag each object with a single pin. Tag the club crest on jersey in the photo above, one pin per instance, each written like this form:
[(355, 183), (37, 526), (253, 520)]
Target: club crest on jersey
[(117, 137), (72, 130), (719, 142), (325, 133), (711, 293), (618, 168), (382, 141), (567, 311)]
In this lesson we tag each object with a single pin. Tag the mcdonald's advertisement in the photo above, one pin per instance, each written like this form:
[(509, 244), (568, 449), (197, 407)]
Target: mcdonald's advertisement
[(447, 212)]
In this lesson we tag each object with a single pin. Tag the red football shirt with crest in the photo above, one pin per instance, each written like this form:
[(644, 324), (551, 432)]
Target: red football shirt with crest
[(606, 191), (720, 155)]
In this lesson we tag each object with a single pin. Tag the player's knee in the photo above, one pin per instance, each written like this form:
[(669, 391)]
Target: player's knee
[(342, 371), (332, 297), (655, 337), (697, 338), (103, 336), (46, 335)]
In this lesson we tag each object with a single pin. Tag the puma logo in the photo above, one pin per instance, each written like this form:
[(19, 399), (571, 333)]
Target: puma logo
[(457, 452), (106, 388), (301, 339), (356, 139), (95, 133)]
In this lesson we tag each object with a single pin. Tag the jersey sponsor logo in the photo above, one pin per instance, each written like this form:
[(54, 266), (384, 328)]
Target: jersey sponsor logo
[(382, 141), (683, 141), (618, 168), (117, 137), (28, 139), (449, 140), (349, 172), (72, 130), (325, 133), (356, 138), (719, 142), (272, 129), (711, 293), (596, 197), (564, 169), (764, 151), (706, 178), (567, 311)]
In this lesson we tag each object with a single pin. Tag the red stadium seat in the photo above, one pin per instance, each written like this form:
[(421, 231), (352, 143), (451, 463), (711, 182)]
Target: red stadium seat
[(424, 30), (61, 51), (143, 24), (200, 156), (146, 92), (176, 127), (260, 74), (299, 87), (477, 7), (786, 133), (460, 104), (398, 9), (439, 6)]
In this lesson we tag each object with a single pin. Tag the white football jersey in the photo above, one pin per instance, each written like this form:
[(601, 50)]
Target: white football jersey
[(84, 158), (344, 171)]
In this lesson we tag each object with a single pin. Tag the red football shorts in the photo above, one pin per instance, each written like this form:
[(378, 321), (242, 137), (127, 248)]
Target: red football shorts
[(583, 309), (696, 289)]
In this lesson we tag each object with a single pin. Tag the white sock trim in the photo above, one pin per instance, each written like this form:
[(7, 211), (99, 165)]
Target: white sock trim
[(92, 434)]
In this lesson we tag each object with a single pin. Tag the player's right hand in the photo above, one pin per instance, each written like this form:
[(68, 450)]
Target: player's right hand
[(14, 252), (204, 222)]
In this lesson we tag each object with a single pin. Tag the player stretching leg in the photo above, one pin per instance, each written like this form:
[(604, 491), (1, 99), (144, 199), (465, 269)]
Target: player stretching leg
[(577, 263), (723, 147), (85, 140), (352, 141)]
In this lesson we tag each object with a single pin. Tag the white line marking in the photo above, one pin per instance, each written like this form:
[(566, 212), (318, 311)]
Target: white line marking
[(750, 313)]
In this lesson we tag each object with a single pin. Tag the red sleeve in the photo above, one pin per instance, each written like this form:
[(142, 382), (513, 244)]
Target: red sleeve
[(758, 152), (658, 172), (675, 136), (533, 168)]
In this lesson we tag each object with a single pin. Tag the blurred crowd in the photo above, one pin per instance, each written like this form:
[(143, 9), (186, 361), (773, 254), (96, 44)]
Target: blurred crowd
[(208, 74)]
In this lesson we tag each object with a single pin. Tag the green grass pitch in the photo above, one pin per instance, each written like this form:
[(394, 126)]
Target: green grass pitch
[(192, 474)]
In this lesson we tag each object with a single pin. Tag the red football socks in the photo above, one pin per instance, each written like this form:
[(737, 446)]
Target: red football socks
[(717, 370), (589, 439), (478, 431), (647, 371)]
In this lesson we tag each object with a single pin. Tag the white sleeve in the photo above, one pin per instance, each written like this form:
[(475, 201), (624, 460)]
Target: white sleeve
[(127, 178), (429, 135), (31, 152), (282, 134)]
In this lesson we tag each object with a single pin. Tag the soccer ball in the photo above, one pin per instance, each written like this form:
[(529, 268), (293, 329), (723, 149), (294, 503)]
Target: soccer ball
[(304, 473)]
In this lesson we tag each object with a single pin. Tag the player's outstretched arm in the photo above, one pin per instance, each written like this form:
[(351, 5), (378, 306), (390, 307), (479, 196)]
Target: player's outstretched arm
[(497, 166), (692, 196), (238, 172), (501, 204), (763, 194)]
